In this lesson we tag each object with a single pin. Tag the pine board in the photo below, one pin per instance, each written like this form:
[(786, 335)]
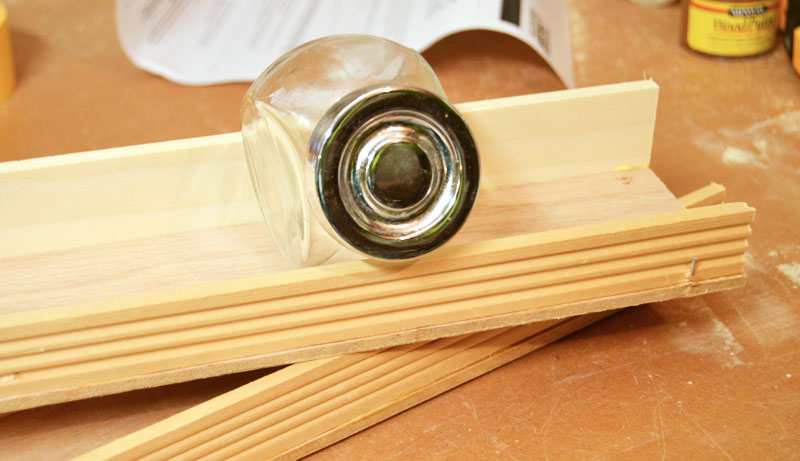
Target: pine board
[(171, 249), (157, 338), (136, 192), (308, 406), (94, 272)]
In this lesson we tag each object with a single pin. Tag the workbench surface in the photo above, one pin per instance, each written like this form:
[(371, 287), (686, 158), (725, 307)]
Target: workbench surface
[(710, 377)]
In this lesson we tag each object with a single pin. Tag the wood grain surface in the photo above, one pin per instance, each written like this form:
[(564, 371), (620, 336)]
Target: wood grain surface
[(713, 377), (147, 190), (95, 272), (161, 337), (308, 406)]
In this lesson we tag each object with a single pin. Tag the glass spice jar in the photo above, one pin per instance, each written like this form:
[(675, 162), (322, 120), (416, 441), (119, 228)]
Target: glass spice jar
[(352, 145)]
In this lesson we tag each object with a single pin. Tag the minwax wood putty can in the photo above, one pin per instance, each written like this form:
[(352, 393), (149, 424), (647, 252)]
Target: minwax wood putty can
[(731, 28)]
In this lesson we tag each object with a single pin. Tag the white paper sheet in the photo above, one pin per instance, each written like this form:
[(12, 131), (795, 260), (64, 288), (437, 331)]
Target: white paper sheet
[(200, 42)]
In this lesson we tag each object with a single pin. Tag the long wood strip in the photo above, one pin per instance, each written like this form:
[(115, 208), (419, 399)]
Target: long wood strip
[(448, 381), (282, 320), (233, 252), (297, 399), (363, 273), (62, 394), (368, 388), (478, 286), (243, 414), (182, 324), (367, 393), (533, 298), (711, 194), (205, 430), (289, 335), (104, 370), (323, 397), (185, 185), (243, 419)]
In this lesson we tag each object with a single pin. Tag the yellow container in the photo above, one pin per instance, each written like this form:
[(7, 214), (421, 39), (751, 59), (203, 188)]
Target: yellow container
[(731, 28), (7, 79)]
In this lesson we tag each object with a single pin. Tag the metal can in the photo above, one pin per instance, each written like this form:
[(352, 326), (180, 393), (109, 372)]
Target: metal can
[(733, 28), (352, 145)]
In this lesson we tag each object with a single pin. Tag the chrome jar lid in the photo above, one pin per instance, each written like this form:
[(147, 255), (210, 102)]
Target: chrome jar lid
[(396, 171)]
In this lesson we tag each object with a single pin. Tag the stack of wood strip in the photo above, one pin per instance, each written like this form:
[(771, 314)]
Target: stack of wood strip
[(129, 291), (89, 231), (300, 315), (305, 407)]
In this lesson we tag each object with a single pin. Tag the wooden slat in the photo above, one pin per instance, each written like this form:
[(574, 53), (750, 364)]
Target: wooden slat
[(711, 194), (352, 303), (233, 252), (272, 417), (288, 399), (677, 248), (365, 273), (135, 192), (226, 337), (564, 133)]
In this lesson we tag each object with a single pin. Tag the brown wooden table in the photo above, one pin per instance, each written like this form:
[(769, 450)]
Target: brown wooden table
[(710, 377)]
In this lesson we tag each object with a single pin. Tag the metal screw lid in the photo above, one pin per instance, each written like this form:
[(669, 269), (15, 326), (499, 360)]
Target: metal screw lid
[(396, 171)]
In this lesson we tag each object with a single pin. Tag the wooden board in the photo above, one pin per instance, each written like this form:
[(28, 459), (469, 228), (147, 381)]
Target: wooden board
[(154, 338), (157, 338), (308, 406), (94, 272), (304, 407), (711, 194), (102, 224), (562, 134), (135, 192)]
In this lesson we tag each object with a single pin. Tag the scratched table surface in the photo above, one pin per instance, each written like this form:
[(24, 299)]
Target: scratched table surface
[(714, 377)]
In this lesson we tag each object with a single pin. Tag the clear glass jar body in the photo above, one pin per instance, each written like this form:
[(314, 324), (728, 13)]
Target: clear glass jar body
[(293, 111)]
